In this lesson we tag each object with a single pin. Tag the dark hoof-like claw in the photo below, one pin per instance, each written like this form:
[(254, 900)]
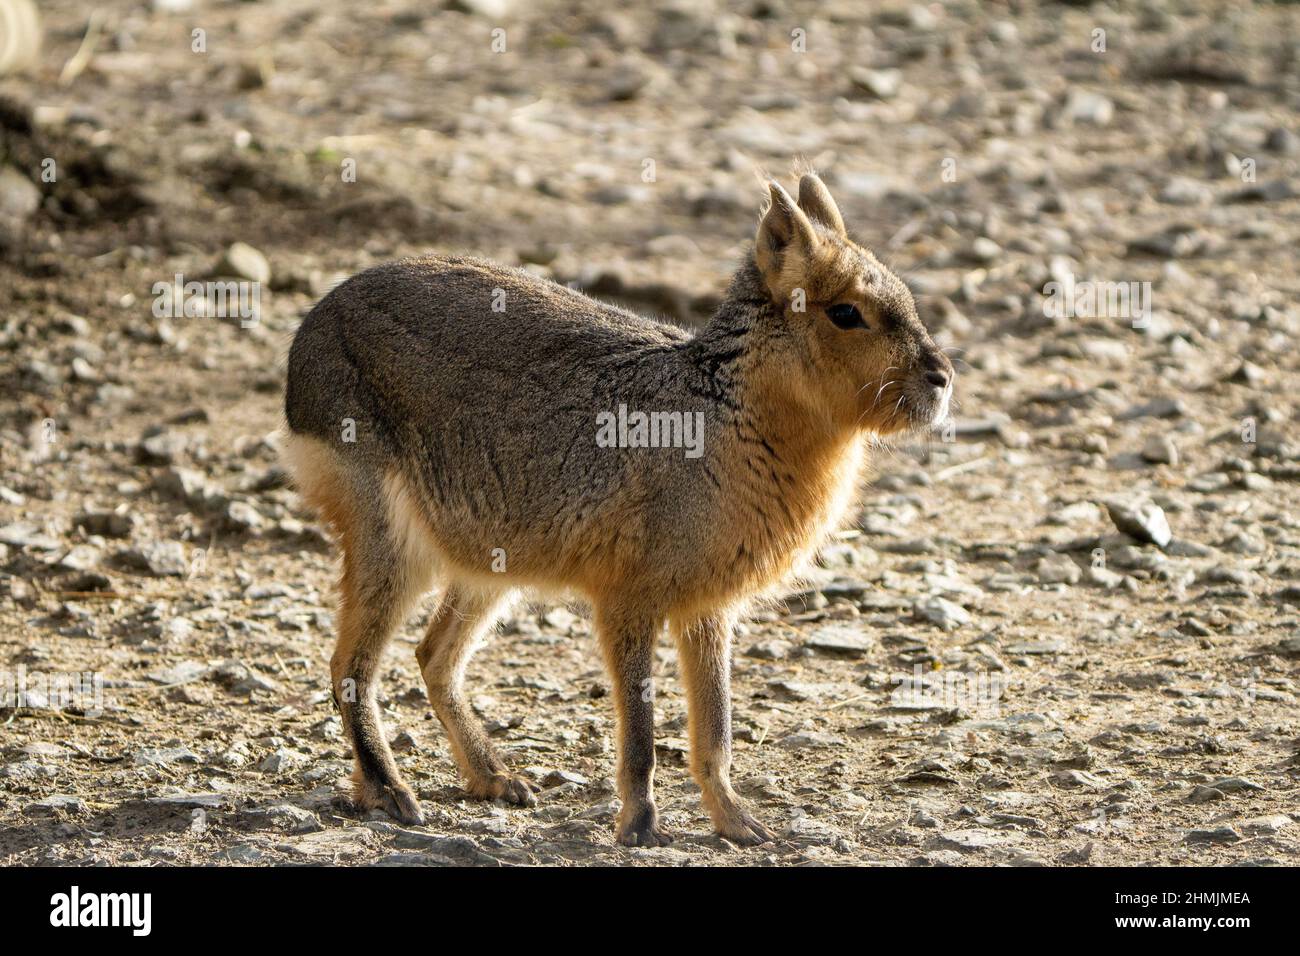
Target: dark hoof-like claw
[(642, 829), (398, 802)]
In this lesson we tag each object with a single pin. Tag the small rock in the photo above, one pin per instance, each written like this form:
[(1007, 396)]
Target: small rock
[(841, 641), (883, 84), (285, 816), (942, 612), (162, 756), (809, 740), (984, 249), (1141, 519), (161, 559), (161, 446), (1074, 779), (1104, 577), (109, 524), (1282, 140), (242, 261), (1160, 450), (1236, 785), (58, 803), (1266, 826), (81, 557), (771, 650), (1058, 569), (1217, 837), (560, 618), (282, 760), (1083, 106), (241, 516)]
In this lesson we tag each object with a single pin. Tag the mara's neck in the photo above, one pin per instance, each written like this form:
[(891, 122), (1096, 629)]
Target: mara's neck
[(753, 367), (785, 470)]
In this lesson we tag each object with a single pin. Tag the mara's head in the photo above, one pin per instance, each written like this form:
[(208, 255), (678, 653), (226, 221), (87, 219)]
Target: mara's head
[(853, 337)]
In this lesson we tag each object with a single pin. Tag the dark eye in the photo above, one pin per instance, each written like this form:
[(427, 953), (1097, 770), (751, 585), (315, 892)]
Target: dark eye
[(846, 316)]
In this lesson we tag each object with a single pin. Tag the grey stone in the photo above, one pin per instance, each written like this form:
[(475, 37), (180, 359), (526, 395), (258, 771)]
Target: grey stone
[(242, 261), (1142, 519)]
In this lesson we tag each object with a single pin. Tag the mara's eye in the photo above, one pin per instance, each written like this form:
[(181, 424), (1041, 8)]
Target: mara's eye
[(846, 316)]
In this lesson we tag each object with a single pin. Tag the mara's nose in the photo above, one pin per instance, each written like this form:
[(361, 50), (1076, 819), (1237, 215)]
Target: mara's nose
[(938, 378)]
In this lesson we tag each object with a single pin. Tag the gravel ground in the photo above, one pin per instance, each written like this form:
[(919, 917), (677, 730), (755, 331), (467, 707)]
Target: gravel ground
[(1064, 631)]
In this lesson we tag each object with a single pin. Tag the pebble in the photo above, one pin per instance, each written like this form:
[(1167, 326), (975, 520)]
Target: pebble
[(1104, 577), (190, 486), (770, 650), (1083, 106), (164, 756), (974, 839), (1236, 785), (242, 261), (809, 740), (560, 618), (883, 84), (1057, 569), (284, 816), (1141, 519), (162, 446), (108, 524), (1075, 779), (1265, 826), (159, 558), (1218, 836), (58, 803), (282, 761), (841, 641), (1160, 450), (942, 612), (241, 516)]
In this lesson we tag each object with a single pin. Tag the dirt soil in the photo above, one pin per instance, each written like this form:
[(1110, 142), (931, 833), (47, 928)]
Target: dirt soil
[(986, 668)]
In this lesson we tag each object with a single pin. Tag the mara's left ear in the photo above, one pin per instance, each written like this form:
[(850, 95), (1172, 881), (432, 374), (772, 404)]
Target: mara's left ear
[(785, 242), (815, 199)]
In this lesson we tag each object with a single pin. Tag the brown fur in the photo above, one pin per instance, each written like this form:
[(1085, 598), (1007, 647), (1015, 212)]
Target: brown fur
[(475, 437)]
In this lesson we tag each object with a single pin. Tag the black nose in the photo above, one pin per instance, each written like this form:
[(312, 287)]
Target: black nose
[(939, 379)]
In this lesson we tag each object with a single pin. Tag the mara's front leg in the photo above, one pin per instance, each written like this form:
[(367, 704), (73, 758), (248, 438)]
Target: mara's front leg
[(704, 652), (628, 640)]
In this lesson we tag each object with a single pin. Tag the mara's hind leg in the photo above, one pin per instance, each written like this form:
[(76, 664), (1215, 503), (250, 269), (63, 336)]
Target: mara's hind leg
[(463, 617), (380, 582), (704, 655)]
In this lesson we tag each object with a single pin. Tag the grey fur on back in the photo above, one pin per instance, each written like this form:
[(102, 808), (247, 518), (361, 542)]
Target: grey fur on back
[(492, 415)]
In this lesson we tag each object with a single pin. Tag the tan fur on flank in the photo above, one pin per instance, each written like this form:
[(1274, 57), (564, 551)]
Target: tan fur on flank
[(452, 443)]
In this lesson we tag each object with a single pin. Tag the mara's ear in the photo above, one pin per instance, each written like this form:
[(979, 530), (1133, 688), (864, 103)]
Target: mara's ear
[(815, 199), (785, 241)]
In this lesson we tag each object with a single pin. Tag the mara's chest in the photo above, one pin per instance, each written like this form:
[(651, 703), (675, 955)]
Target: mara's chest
[(772, 523)]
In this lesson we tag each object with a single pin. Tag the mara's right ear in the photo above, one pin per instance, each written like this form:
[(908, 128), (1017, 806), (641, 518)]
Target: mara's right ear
[(784, 242), (815, 199)]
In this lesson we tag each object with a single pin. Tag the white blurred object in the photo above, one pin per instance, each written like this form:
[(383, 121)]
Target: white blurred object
[(20, 35)]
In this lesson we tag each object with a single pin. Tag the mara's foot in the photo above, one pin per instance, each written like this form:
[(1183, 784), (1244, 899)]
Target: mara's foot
[(397, 800), (505, 786), (641, 828), (738, 825)]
